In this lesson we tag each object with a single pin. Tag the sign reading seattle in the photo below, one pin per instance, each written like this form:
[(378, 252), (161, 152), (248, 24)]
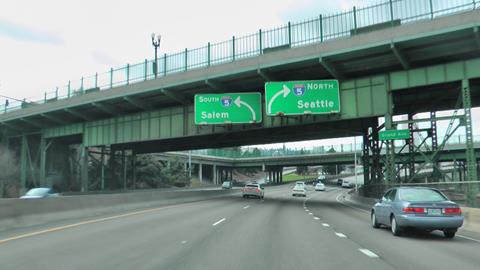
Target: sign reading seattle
[(228, 108), (302, 97)]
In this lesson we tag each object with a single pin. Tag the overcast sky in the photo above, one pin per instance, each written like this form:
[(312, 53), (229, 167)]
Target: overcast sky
[(43, 44)]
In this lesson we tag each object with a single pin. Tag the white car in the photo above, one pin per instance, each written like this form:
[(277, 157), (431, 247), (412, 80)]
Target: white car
[(319, 187), (299, 190), (347, 184)]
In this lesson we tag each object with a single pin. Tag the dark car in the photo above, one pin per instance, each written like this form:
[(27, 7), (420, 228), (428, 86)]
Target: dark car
[(339, 182), (422, 208)]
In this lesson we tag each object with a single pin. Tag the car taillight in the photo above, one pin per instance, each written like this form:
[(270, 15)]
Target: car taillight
[(416, 210), (452, 211), (257, 190)]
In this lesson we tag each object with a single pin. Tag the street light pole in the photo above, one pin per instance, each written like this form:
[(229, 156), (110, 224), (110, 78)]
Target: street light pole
[(156, 45)]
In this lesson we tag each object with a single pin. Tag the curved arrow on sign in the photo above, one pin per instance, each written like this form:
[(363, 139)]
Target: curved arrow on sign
[(239, 103), (285, 91)]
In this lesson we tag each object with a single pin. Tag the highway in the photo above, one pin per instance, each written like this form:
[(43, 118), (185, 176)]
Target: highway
[(279, 232)]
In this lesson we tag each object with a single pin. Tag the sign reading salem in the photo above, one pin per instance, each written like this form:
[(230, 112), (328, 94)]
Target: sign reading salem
[(302, 97), (228, 108)]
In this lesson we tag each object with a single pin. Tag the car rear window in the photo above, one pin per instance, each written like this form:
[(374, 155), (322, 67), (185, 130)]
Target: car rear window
[(421, 195), (254, 186)]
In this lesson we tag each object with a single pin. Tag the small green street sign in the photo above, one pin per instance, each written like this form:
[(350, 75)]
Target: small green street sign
[(302, 97), (228, 108), (394, 134)]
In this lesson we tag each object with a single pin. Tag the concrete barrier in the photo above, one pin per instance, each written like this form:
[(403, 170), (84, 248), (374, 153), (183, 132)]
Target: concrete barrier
[(15, 213)]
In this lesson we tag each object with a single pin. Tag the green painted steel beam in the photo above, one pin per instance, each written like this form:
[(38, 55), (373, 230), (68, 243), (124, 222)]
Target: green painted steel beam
[(106, 108), (440, 118), (400, 56), (77, 114), (476, 32), (56, 120), (267, 77), (138, 103), (31, 123), (330, 68), (177, 97), (216, 85)]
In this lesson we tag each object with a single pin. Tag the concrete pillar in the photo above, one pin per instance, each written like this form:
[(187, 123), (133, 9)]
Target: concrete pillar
[(281, 175), (200, 173)]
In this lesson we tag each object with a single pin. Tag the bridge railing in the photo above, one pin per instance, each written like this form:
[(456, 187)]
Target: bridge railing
[(254, 152), (293, 34)]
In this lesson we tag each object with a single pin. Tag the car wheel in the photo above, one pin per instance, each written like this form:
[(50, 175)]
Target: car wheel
[(394, 226), (244, 196), (373, 217), (449, 233)]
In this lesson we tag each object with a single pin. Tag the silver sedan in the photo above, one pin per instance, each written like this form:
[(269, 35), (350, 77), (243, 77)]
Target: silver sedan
[(417, 207)]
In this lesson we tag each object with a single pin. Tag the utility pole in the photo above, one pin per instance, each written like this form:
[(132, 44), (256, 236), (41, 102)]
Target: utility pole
[(355, 160), (156, 45)]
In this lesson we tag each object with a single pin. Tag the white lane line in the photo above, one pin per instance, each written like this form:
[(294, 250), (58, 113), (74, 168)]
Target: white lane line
[(338, 200), (306, 210), (325, 225), (246, 207), (368, 253), (341, 235), (468, 238), (316, 218), (184, 242), (218, 222), (310, 213)]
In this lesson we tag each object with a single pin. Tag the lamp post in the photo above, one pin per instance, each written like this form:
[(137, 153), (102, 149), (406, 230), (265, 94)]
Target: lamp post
[(156, 45)]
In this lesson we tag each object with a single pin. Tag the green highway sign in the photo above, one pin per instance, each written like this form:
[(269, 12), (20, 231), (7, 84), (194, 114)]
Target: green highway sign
[(302, 97), (394, 134), (228, 108)]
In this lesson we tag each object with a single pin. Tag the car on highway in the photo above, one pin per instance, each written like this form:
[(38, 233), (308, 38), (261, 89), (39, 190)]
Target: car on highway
[(421, 208), (319, 187), (253, 190), (39, 193), (299, 190), (347, 184), (227, 185)]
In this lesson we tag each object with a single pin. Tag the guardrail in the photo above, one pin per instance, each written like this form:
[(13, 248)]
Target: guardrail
[(293, 34)]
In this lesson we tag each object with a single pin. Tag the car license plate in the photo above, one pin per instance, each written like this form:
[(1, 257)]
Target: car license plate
[(434, 212)]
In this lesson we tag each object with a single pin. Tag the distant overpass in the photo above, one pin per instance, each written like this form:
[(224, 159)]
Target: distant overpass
[(405, 60)]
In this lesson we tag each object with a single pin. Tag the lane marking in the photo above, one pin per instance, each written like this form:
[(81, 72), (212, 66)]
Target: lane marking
[(468, 238), (316, 218), (341, 235), (310, 213), (60, 228), (184, 242), (246, 207), (368, 253), (325, 225), (218, 222), (306, 210)]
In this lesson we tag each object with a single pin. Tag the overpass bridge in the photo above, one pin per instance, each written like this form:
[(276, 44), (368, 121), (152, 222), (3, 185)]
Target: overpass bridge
[(221, 162), (393, 58)]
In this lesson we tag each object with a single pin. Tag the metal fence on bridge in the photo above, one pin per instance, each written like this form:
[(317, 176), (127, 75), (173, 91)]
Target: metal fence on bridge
[(293, 34)]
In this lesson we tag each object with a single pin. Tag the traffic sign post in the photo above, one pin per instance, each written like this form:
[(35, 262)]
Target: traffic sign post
[(228, 108), (394, 134), (302, 97)]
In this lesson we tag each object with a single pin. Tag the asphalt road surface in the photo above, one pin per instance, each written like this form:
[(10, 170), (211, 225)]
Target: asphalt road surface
[(279, 232)]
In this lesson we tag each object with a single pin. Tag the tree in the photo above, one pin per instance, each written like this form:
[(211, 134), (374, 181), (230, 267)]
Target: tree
[(302, 170), (10, 170)]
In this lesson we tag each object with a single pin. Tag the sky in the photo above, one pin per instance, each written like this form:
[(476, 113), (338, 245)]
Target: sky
[(44, 44)]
